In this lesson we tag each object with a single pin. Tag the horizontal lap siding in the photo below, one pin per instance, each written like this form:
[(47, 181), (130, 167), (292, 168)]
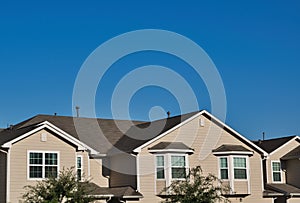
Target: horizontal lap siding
[(96, 173), (276, 157), (293, 175), (194, 136), (19, 159)]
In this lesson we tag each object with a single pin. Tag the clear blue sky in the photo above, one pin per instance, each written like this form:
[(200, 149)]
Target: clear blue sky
[(254, 44)]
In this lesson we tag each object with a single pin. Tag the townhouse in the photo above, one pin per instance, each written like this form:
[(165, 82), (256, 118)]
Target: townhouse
[(132, 161)]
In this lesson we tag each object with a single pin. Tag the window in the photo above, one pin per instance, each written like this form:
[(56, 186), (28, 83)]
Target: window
[(160, 165), (43, 164), (276, 171), (178, 164), (240, 168), (224, 168), (79, 167)]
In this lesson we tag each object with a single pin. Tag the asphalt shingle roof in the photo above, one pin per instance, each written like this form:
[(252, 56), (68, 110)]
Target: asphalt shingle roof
[(294, 154), (228, 148), (100, 134), (285, 189), (272, 144), (170, 145), (142, 133), (122, 192)]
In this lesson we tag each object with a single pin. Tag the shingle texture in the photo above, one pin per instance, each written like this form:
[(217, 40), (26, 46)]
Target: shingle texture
[(230, 148), (100, 134), (294, 154), (121, 192), (272, 144), (170, 145), (285, 189)]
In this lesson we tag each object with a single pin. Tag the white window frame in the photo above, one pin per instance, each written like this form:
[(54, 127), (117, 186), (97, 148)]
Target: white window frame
[(280, 171), (222, 168), (81, 168), (168, 166), (247, 168), (43, 164), (186, 165), (161, 167)]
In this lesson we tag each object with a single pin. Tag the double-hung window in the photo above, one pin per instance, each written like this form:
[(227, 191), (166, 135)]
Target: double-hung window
[(42, 164), (224, 168), (79, 167), (240, 168), (160, 167), (178, 166), (276, 171)]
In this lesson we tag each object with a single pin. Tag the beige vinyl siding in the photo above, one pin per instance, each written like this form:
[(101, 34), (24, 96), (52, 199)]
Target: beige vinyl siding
[(203, 140), (293, 175), (160, 185), (293, 200), (19, 169), (85, 163), (3, 176), (123, 170), (96, 173), (276, 157)]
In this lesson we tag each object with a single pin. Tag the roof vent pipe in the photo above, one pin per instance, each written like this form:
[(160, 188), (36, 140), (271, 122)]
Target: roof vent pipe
[(168, 113), (77, 111)]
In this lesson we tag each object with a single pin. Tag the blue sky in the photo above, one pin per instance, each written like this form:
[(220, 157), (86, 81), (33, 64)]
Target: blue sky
[(255, 46)]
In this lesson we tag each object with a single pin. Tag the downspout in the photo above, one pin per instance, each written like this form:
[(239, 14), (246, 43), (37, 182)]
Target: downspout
[(138, 172), (137, 156)]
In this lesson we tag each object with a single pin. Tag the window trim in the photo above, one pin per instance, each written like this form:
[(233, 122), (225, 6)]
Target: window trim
[(168, 166), (164, 167), (186, 165), (220, 168), (280, 171), (81, 168), (43, 164), (247, 168)]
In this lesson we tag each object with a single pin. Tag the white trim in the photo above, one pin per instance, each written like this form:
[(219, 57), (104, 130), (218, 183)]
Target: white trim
[(233, 153), (132, 197), (231, 173), (164, 166), (8, 176), (282, 146), (186, 165), (43, 164), (89, 166), (219, 165), (138, 149), (138, 172), (262, 172), (247, 168), (268, 169), (171, 150), (82, 166), (5, 152), (80, 145), (280, 171)]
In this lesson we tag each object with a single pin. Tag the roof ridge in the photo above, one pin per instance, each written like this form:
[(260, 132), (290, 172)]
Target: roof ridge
[(277, 138)]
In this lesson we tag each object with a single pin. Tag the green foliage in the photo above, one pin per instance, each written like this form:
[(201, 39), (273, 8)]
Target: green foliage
[(196, 188), (65, 189)]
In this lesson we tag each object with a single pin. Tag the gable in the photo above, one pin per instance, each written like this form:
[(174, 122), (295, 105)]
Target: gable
[(20, 134), (186, 132)]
